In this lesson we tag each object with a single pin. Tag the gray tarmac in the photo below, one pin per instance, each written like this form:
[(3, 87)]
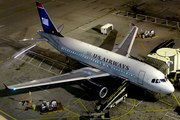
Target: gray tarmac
[(82, 19)]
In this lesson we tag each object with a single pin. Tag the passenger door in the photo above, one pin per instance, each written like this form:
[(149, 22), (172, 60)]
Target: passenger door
[(141, 77)]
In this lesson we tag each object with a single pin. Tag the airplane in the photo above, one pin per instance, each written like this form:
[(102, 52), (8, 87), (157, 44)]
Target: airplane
[(100, 62)]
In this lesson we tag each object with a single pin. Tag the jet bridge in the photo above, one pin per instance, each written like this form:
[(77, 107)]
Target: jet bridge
[(118, 96)]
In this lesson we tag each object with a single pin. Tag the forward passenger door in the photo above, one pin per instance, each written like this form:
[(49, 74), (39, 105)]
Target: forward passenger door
[(141, 77)]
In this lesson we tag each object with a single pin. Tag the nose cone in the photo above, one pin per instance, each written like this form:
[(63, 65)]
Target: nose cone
[(168, 88)]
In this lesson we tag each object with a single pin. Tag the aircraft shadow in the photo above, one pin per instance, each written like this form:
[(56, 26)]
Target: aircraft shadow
[(109, 41), (139, 93)]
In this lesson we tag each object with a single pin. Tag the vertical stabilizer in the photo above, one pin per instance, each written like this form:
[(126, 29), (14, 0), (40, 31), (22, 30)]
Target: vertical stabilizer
[(46, 22)]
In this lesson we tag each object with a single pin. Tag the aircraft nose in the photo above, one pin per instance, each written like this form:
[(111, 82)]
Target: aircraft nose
[(169, 88)]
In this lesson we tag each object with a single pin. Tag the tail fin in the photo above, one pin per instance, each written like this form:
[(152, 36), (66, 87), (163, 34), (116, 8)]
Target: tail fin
[(46, 22)]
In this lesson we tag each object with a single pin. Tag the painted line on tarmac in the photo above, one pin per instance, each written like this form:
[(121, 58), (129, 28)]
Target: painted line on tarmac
[(83, 106), (74, 101), (168, 29), (165, 102), (61, 2), (46, 57), (91, 100), (175, 34), (142, 46), (89, 21), (17, 13), (94, 103), (29, 10), (121, 109), (53, 118), (8, 115), (176, 99), (4, 61), (175, 117), (72, 112), (136, 104), (23, 11), (127, 112), (76, 114), (154, 110)]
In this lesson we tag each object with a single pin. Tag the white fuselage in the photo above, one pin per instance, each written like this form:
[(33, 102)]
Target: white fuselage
[(117, 65)]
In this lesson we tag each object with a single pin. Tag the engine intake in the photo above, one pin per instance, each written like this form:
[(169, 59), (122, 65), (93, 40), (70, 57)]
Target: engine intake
[(95, 87)]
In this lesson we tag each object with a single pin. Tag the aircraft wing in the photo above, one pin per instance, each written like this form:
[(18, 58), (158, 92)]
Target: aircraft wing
[(80, 74), (124, 47)]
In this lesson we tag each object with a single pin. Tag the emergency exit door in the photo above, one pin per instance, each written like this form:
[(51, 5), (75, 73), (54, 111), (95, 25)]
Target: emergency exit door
[(141, 77)]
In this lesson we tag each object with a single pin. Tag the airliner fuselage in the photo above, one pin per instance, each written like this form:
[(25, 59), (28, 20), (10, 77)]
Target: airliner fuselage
[(136, 72)]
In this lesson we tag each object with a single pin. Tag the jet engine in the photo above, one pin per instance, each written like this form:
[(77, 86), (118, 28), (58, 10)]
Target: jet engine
[(95, 87)]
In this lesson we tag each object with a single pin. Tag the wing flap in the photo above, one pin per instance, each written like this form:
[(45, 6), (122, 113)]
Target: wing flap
[(84, 73), (124, 48)]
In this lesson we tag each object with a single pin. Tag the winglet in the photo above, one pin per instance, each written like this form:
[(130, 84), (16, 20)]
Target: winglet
[(46, 21)]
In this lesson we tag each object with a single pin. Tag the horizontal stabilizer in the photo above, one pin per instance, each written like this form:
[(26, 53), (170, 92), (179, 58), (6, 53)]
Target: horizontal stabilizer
[(60, 28), (33, 39), (23, 50), (5, 86)]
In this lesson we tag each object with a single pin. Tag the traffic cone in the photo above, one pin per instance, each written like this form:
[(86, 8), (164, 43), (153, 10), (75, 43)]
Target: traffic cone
[(26, 107), (23, 101), (137, 35)]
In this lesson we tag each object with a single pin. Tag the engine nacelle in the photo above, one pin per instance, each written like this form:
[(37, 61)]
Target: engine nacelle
[(95, 87)]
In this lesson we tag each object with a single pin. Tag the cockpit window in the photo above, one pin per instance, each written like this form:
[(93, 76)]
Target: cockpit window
[(163, 80), (153, 80), (157, 81)]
